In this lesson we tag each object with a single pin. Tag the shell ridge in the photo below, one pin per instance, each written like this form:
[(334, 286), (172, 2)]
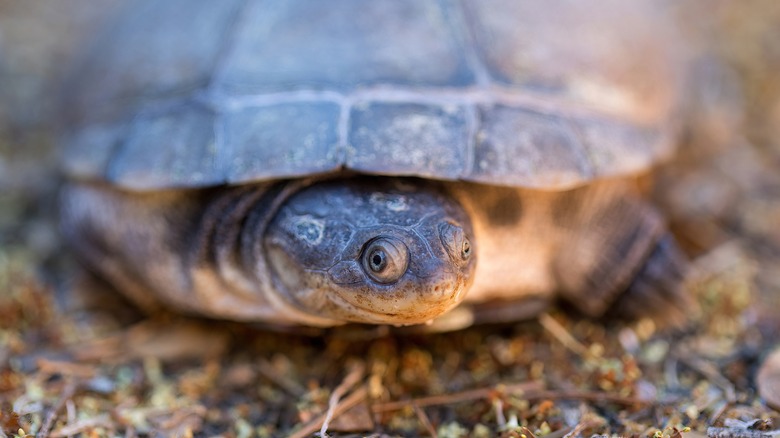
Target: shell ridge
[(227, 47), (472, 128), (282, 106), (119, 151), (457, 15), (116, 153), (175, 124), (224, 150), (343, 148), (584, 149), (441, 96), (342, 153), (579, 149), (463, 20)]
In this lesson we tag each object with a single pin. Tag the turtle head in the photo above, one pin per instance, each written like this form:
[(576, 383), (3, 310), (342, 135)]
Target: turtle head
[(372, 250)]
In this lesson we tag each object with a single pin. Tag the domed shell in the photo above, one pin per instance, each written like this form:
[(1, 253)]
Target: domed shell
[(194, 93)]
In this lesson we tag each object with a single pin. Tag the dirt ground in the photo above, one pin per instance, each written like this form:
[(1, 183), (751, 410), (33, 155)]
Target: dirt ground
[(74, 363)]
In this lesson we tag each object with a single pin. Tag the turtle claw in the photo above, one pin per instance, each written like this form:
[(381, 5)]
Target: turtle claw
[(657, 291)]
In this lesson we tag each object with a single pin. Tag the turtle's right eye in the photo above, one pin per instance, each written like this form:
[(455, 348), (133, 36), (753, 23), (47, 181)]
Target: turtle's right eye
[(385, 259)]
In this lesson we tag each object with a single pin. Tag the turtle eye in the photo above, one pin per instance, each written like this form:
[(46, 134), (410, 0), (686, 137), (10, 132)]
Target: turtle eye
[(465, 249), (454, 239), (385, 259)]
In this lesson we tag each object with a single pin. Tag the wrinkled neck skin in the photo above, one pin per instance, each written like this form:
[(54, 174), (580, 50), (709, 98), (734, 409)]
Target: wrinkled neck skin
[(396, 251), (370, 250)]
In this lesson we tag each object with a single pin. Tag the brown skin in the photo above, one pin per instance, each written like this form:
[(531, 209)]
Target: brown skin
[(590, 246), (378, 250)]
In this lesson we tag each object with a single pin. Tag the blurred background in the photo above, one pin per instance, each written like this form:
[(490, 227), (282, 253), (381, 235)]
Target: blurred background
[(721, 193), (39, 42), (724, 184)]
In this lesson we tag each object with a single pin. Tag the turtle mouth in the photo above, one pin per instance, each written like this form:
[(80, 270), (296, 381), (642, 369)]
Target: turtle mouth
[(396, 316), (415, 301)]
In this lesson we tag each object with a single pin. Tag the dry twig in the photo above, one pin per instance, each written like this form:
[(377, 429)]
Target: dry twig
[(344, 405), (51, 417), (565, 432), (577, 430), (470, 395), (708, 370), (269, 372), (498, 405), (560, 333), (733, 432), (526, 393), (65, 368), (349, 381), (426, 422), (591, 396), (102, 420)]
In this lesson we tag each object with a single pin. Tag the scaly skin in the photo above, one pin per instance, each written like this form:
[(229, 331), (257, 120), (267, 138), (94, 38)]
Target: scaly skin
[(302, 252)]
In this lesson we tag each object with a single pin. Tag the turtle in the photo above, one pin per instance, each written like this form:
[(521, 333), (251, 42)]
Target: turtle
[(400, 162)]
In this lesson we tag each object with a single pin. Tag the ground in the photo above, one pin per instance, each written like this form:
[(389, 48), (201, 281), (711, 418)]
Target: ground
[(71, 364)]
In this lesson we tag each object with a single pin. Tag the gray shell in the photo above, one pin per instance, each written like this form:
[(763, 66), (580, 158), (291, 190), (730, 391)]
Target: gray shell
[(186, 93)]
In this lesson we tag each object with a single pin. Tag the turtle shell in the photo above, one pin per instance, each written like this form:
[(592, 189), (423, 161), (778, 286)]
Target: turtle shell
[(550, 95)]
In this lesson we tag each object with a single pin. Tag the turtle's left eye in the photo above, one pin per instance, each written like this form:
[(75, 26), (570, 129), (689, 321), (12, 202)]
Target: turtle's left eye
[(454, 239), (385, 259), (465, 249)]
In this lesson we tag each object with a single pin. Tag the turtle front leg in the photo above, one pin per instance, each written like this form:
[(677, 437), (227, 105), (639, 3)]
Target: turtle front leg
[(657, 290), (617, 258)]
